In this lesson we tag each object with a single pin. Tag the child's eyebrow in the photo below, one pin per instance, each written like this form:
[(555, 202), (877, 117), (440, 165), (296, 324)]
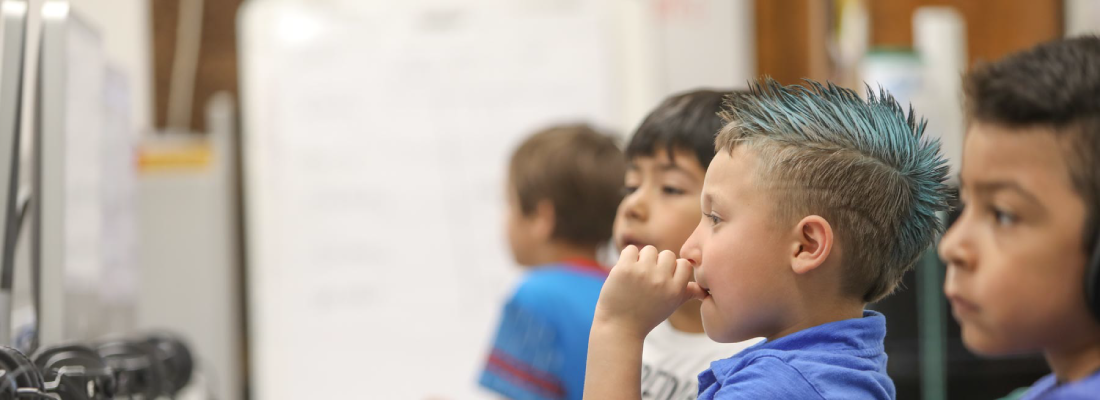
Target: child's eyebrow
[(676, 169), (996, 186), (670, 167)]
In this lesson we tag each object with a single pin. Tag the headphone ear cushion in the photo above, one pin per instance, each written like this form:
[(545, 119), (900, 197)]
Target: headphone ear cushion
[(178, 361), (137, 368), (1092, 280)]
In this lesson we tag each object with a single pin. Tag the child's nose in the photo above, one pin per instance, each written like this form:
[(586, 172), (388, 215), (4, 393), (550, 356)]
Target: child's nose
[(636, 207), (690, 250), (954, 249)]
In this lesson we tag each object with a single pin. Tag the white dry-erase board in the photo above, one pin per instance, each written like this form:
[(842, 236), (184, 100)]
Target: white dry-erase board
[(376, 137)]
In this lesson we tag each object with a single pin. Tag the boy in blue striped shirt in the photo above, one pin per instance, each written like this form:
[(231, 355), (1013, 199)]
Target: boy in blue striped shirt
[(564, 186)]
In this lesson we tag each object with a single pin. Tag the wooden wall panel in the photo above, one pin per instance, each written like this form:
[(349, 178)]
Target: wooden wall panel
[(791, 34), (217, 65), (994, 28), (790, 39)]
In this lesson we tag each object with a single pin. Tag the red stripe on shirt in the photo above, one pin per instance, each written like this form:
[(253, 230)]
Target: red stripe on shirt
[(529, 376), (586, 265)]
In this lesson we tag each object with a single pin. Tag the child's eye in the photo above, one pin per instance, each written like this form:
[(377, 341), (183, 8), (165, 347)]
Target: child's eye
[(672, 190), (628, 190), (1004, 218), (714, 220)]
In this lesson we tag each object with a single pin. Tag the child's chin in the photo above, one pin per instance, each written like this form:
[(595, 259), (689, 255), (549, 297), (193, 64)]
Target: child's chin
[(984, 344), (707, 331), (720, 334)]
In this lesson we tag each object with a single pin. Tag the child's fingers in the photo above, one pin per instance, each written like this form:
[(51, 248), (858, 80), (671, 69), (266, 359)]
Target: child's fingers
[(682, 273), (666, 263), (648, 255), (629, 254), (694, 291)]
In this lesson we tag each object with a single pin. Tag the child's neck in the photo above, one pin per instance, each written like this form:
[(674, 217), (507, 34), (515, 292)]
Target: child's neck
[(687, 318), (1076, 361), (820, 313)]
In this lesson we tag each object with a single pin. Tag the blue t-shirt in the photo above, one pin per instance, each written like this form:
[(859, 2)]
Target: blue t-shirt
[(1048, 388), (541, 345), (838, 360)]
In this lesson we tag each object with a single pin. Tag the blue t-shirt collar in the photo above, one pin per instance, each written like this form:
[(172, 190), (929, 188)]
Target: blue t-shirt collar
[(857, 336)]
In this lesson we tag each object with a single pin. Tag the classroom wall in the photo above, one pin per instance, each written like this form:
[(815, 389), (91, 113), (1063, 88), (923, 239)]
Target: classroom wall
[(1082, 17), (189, 248), (662, 49)]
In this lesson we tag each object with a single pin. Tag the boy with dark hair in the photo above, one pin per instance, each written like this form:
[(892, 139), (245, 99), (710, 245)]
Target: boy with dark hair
[(563, 189), (666, 160), (1023, 258), (815, 204)]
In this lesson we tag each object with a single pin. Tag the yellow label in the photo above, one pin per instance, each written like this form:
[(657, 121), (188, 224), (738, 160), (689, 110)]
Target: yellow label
[(191, 157)]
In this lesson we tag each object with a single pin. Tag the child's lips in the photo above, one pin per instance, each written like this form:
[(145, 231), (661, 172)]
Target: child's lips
[(632, 241), (706, 289), (961, 307)]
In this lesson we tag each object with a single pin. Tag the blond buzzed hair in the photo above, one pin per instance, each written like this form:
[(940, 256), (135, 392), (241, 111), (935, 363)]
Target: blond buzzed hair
[(862, 165)]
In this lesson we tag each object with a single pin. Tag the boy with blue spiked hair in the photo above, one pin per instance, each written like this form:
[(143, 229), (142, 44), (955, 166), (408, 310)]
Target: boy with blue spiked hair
[(815, 204)]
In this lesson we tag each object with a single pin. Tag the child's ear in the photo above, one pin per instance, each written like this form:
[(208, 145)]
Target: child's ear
[(543, 220), (813, 244)]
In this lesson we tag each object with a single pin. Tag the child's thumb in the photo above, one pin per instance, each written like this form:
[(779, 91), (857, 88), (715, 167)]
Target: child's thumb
[(695, 292)]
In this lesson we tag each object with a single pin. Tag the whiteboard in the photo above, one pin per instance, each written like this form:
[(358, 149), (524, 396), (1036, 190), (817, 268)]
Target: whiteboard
[(375, 145)]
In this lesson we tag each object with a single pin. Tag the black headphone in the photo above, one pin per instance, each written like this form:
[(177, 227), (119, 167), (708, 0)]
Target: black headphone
[(1092, 279), (76, 372), (137, 369), (20, 378), (176, 360)]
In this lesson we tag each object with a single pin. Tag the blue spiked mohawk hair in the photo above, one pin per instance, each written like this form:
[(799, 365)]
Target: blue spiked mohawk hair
[(862, 165)]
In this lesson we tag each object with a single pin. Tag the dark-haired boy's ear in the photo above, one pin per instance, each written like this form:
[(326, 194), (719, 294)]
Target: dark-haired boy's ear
[(543, 220), (813, 244)]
